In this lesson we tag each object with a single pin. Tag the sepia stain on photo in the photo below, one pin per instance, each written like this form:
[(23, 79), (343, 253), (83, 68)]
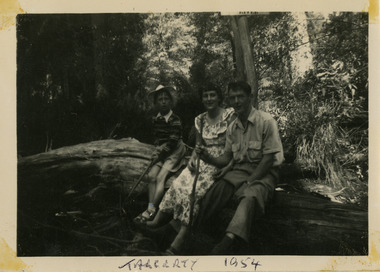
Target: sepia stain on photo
[(136, 136)]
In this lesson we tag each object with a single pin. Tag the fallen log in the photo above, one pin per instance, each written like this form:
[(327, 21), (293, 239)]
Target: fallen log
[(82, 188), (108, 160), (299, 223), (85, 184), (83, 171)]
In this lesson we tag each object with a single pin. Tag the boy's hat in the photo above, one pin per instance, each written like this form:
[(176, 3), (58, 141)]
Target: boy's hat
[(161, 88)]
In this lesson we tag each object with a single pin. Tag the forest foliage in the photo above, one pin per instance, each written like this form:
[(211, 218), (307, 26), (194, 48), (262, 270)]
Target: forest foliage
[(85, 77)]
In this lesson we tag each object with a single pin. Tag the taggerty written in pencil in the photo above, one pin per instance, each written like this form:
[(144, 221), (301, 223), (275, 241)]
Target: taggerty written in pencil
[(140, 264)]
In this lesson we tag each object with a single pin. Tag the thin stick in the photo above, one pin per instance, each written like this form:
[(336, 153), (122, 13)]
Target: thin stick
[(140, 179), (192, 196)]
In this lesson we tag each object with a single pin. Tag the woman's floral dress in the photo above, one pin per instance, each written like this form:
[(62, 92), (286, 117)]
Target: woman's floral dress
[(177, 198)]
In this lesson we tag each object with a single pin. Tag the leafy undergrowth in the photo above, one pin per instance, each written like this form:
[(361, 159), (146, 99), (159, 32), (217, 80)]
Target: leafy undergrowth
[(356, 193), (353, 191)]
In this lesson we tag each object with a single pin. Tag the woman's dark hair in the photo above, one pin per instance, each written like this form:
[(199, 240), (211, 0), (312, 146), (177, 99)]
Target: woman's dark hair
[(211, 87), (240, 85), (155, 95)]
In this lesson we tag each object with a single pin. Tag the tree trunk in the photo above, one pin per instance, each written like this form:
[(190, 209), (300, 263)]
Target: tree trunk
[(244, 54), (75, 193), (238, 51), (301, 59), (299, 223), (108, 161)]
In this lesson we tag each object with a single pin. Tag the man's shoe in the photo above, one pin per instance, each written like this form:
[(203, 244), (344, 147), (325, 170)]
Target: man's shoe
[(224, 247), (171, 251), (162, 235), (165, 230)]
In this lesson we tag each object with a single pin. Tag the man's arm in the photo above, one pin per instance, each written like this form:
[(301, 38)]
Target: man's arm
[(263, 168), (220, 173)]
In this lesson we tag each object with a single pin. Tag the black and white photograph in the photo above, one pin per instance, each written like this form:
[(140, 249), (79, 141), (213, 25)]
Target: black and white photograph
[(192, 134), (166, 138)]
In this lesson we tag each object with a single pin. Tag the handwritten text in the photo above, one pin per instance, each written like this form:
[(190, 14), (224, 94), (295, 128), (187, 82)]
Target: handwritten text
[(155, 263), (241, 262)]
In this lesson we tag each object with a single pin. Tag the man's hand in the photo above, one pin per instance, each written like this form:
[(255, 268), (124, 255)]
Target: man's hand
[(221, 172), (262, 169)]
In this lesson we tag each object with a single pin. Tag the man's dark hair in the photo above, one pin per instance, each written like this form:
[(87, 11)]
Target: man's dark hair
[(211, 87), (165, 90), (240, 85)]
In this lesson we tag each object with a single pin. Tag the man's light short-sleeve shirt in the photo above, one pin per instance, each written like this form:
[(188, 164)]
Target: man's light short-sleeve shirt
[(260, 137)]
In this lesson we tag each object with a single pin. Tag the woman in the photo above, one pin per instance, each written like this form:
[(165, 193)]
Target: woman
[(176, 202)]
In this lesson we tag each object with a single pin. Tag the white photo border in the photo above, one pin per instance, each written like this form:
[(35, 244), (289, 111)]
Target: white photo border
[(8, 155)]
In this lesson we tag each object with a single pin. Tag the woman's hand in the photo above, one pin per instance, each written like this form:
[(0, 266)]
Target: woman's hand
[(191, 164), (200, 150), (203, 154)]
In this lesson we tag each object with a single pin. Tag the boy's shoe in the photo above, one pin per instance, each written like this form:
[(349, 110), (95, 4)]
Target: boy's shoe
[(142, 218)]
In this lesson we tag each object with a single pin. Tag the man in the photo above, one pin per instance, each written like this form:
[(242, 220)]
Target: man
[(254, 144)]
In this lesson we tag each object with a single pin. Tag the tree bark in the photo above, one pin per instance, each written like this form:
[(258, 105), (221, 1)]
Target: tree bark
[(238, 53), (301, 58), (108, 161), (299, 223), (244, 55)]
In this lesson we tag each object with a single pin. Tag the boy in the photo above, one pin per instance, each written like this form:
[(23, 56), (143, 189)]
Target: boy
[(167, 130)]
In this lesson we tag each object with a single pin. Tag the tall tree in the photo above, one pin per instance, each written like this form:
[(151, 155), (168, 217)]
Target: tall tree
[(301, 59), (244, 54)]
